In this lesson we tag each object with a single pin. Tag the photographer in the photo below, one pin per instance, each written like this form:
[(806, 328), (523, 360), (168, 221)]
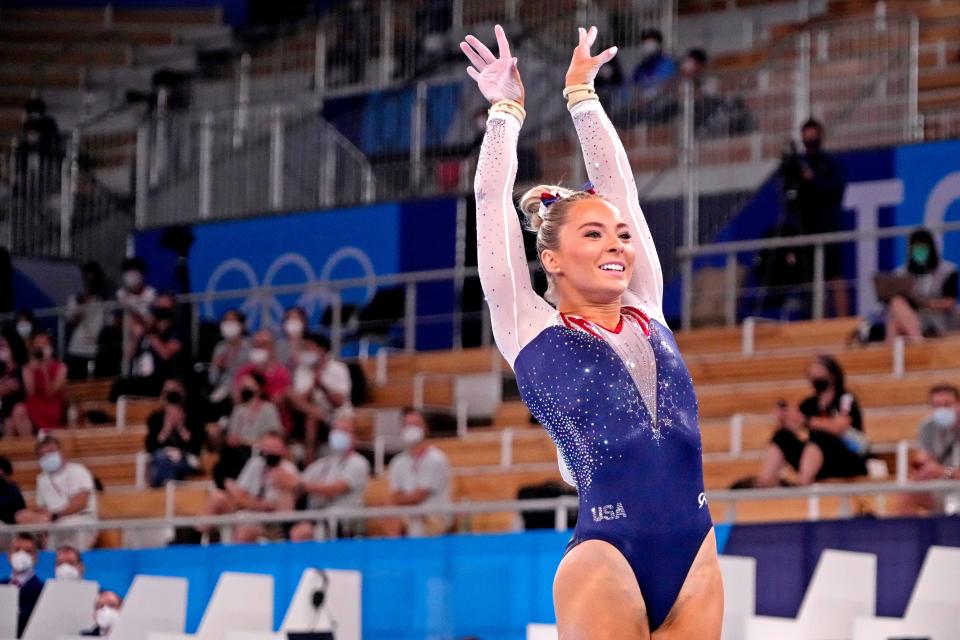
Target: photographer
[(44, 381), (813, 186), (154, 353)]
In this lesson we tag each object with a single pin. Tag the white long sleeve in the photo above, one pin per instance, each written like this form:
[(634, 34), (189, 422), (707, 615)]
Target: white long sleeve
[(517, 313), (609, 170)]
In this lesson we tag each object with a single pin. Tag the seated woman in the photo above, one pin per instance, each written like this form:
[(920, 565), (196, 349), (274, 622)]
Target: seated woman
[(155, 353), (253, 416), (11, 395), (825, 440), (44, 383), (174, 437), (230, 354), (929, 311)]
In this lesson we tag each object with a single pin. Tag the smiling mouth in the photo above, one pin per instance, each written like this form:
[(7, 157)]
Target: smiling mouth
[(613, 267)]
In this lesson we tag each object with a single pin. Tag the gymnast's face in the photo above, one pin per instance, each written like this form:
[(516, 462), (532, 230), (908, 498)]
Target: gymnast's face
[(594, 257)]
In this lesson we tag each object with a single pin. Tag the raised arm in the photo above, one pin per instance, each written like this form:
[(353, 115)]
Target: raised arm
[(609, 170), (517, 313)]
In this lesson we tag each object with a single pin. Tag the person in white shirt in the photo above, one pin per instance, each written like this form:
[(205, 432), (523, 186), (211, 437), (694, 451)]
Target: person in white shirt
[(290, 344), (268, 482), (65, 494), (420, 475), (319, 393), (135, 297), (338, 479), (86, 316)]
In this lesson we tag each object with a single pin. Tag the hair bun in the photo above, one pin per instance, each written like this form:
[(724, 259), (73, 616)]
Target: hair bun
[(531, 206)]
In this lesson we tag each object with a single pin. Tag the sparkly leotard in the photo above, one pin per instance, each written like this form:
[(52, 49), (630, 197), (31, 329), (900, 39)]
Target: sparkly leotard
[(618, 402)]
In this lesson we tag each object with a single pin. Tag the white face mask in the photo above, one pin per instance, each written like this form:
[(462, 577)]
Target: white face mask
[(412, 434), (650, 47), (293, 327), (21, 561), (51, 462), (259, 356), (24, 329), (308, 358), (230, 329), (106, 617), (339, 440), (66, 571), (944, 417), (132, 279)]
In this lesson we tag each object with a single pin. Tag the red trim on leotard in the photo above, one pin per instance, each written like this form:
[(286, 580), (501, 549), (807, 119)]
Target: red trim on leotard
[(633, 313)]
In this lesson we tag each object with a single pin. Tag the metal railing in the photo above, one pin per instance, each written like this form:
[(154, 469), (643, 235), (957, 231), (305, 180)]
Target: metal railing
[(814, 495)]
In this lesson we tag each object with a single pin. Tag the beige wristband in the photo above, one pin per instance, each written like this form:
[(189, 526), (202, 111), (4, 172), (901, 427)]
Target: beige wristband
[(577, 93), (576, 88), (512, 107)]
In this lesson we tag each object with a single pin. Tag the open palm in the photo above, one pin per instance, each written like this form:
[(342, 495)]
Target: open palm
[(497, 77)]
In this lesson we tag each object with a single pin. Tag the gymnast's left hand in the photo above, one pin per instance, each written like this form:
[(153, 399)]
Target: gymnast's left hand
[(584, 67), (497, 77)]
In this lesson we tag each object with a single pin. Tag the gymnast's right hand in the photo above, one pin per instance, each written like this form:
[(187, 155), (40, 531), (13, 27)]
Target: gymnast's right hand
[(498, 78)]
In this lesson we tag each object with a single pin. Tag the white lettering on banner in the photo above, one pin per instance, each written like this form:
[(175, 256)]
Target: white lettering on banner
[(943, 195), (866, 199), (265, 305)]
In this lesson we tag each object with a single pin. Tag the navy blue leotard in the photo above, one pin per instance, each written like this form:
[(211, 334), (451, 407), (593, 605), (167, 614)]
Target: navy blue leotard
[(618, 402)]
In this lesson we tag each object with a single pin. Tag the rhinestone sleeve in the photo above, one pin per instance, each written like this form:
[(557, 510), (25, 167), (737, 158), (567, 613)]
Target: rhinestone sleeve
[(609, 170), (517, 313)]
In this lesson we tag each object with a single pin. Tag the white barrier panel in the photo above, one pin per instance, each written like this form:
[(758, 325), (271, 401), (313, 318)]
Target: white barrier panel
[(934, 604), (9, 607), (739, 595), (843, 588), (542, 632), (153, 603), (65, 607), (240, 602)]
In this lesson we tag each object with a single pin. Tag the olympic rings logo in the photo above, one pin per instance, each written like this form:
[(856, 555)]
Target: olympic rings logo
[(261, 304)]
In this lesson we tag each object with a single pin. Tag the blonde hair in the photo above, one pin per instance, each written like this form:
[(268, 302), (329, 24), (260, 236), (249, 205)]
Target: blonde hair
[(547, 221)]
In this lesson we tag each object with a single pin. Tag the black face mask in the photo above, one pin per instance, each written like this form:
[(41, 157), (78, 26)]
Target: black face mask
[(163, 314), (812, 146), (38, 354), (820, 384), (174, 397), (271, 460), (247, 394)]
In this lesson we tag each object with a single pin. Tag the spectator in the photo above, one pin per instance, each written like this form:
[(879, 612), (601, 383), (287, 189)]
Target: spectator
[(289, 346), (87, 318), (420, 475), (828, 441), (319, 394), (268, 482), (338, 479), (11, 395), (229, 355), (23, 329), (40, 135), (938, 457), (174, 437), (11, 499), (65, 494), (44, 383), (68, 564), (929, 311), (655, 68), (813, 186), (106, 610), (263, 360), (154, 353), (135, 298), (252, 417), (22, 555)]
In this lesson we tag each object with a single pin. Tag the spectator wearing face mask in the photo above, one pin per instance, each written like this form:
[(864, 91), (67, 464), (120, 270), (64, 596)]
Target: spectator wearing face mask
[(655, 68), (86, 318), (68, 564), (929, 310), (829, 441), (11, 499), (106, 610), (155, 353), (290, 344), (420, 475), (22, 555), (19, 334), (268, 482), (65, 494), (229, 355), (44, 383), (174, 437), (338, 479), (252, 417), (938, 455), (263, 360), (135, 297), (11, 395), (320, 393)]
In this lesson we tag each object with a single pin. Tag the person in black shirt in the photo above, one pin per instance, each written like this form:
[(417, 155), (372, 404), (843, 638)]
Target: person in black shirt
[(174, 437), (813, 185), (11, 500), (824, 438), (156, 354)]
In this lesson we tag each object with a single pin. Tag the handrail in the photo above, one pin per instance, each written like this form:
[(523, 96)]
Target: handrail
[(560, 505)]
